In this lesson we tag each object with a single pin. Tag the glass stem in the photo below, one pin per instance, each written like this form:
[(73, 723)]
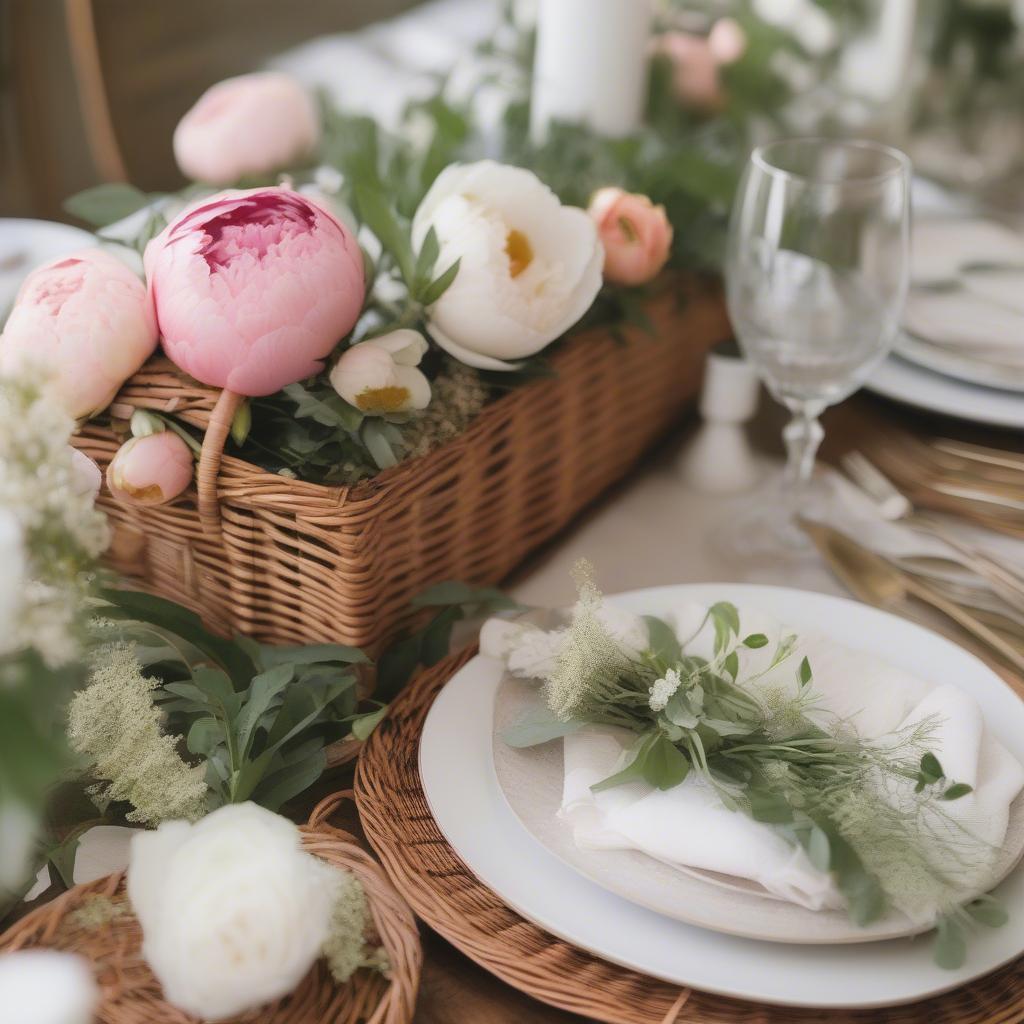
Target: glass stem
[(803, 436)]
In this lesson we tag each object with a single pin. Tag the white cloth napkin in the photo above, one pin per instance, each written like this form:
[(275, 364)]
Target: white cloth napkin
[(942, 246), (688, 826), (968, 322)]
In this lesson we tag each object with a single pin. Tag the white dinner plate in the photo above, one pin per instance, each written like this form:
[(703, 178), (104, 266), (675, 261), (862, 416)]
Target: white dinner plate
[(959, 366), (25, 244), (924, 389), (461, 787)]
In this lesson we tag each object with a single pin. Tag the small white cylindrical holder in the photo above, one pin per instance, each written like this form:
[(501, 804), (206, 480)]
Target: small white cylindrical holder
[(719, 459), (591, 65), (731, 390)]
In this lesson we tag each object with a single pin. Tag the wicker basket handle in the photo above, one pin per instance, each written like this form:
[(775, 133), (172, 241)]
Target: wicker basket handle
[(217, 431)]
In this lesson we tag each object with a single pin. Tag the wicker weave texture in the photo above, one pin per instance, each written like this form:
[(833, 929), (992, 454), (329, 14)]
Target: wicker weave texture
[(130, 994), (442, 891), (297, 562)]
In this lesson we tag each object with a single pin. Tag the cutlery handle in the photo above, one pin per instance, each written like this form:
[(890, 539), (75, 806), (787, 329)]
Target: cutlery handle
[(967, 621)]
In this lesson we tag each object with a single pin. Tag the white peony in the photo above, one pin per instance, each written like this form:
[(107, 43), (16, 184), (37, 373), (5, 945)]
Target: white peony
[(233, 912), (379, 376), (530, 267), (44, 986)]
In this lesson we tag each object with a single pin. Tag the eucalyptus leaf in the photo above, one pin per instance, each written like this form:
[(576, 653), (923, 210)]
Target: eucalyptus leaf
[(537, 726), (950, 948), (664, 765), (363, 725), (440, 285), (103, 204), (662, 641), (987, 911), (282, 785)]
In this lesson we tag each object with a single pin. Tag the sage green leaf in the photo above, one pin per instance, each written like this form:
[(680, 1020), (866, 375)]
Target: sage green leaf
[(663, 642), (755, 641), (988, 911), (665, 765), (957, 790), (818, 848), (326, 408), (634, 769), (280, 786), (950, 948), (805, 672), (425, 260), (732, 664), (264, 689), (440, 285), (931, 769), (205, 735), (375, 211), (538, 726), (363, 725), (104, 204), (157, 611), (437, 637), (769, 807), (377, 444)]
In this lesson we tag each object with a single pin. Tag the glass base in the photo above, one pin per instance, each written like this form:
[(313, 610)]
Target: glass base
[(762, 531)]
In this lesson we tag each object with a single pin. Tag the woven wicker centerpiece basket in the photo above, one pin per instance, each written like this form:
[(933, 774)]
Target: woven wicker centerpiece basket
[(285, 561)]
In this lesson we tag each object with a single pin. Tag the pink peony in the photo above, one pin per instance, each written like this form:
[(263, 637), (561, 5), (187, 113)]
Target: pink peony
[(636, 235), (150, 470), (250, 125), (88, 320), (254, 289)]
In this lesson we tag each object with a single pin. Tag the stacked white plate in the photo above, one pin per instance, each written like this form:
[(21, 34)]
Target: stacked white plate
[(962, 349), (545, 885)]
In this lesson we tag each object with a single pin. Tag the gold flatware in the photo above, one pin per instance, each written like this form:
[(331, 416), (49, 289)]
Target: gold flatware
[(979, 453), (877, 582), (893, 505)]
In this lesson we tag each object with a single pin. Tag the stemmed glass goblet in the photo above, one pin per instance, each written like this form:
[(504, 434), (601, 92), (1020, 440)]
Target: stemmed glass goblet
[(816, 279)]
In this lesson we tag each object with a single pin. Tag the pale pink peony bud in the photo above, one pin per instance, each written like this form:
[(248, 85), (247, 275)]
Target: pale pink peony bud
[(246, 126), (253, 289), (150, 470), (88, 320), (636, 235)]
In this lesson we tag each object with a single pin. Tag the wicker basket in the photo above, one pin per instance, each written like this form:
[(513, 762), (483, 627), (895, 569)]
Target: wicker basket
[(130, 994), (286, 561)]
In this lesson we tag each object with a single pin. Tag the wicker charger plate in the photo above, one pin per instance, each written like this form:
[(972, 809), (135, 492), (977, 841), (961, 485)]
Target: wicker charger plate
[(130, 994), (442, 890)]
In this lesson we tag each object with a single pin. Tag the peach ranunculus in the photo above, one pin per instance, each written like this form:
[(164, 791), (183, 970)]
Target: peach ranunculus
[(697, 62), (636, 235), (250, 125), (150, 470), (253, 289), (88, 320)]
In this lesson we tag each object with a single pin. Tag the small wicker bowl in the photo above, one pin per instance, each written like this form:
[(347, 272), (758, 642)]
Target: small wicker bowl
[(130, 994)]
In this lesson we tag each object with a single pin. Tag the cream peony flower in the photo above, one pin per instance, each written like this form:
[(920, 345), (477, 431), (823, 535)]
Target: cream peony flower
[(380, 376), (530, 267), (233, 912), (44, 986)]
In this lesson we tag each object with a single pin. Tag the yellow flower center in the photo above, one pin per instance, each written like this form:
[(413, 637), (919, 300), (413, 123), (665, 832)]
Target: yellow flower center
[(389, 399), (519, 252)]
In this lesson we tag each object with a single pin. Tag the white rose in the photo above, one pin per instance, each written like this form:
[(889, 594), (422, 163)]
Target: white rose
[(380, 376), (233, 913), (43, 986), (530, 267)]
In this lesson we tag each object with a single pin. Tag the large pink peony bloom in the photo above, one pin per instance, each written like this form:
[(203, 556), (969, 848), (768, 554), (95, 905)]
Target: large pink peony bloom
[(249, 125), (253, 289), (88, 320)]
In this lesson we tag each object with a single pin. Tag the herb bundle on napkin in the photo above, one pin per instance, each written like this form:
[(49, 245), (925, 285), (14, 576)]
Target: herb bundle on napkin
[(716, 739)]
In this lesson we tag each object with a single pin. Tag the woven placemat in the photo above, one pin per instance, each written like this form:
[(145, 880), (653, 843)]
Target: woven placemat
[(446, 894)]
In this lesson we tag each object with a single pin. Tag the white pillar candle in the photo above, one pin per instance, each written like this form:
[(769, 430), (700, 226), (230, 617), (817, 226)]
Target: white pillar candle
[(591, 65)]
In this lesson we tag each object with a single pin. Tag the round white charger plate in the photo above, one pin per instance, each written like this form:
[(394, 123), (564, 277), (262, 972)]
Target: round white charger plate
[(922, 388), (958, 365), (462, 789)]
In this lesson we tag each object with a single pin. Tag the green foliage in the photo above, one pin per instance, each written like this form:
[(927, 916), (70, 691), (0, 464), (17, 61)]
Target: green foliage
[(429, 644)]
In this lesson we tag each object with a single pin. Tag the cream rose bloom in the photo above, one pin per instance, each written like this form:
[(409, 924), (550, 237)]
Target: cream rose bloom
[(45, 986), (530, 267), (233, 912)]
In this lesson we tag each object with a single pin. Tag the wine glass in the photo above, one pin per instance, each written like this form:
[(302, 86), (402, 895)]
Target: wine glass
[(816, 279)]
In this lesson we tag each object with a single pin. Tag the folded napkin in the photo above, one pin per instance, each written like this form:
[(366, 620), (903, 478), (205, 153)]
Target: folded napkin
[(941, 247), (688, 827), (968, 322)]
